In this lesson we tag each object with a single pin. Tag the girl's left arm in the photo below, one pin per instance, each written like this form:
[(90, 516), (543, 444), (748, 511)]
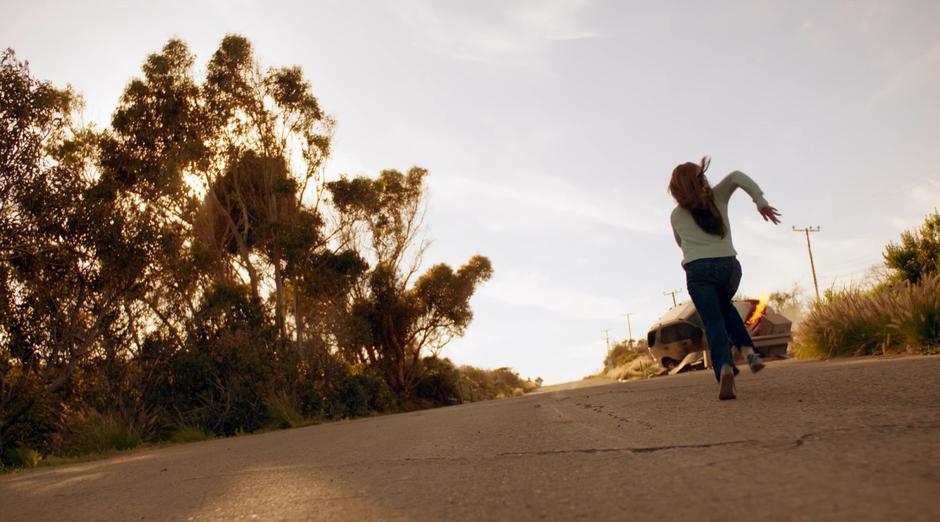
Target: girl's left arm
[(738, 179)]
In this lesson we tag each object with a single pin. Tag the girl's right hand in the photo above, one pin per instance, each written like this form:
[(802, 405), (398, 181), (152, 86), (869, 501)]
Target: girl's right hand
[(769, 213)]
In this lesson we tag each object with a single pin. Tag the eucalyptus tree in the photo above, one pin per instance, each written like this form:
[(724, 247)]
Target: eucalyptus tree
[(70, 255), (235, 162), (399, 317)]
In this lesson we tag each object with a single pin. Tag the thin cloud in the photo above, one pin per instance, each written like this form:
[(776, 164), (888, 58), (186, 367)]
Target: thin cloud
[(545, 195), (922, 72), (532, 288), (922, 199), (493, 32)]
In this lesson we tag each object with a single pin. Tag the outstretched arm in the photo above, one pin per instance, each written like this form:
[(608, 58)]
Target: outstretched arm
[(738, 179)]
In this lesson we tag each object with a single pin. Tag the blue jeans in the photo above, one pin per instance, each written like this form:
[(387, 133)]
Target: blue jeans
[(712, 283)]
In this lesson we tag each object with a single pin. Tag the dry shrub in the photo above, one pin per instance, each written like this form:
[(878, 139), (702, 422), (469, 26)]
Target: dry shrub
[(898, 318), (283, 410), (477, 384), (92, 432), (624, 352), (190, 433)]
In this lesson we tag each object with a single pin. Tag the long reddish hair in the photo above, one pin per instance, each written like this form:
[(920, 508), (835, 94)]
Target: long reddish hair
[(692, 192)]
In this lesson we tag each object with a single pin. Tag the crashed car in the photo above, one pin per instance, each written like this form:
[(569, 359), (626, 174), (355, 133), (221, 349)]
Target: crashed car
[(678, 340)]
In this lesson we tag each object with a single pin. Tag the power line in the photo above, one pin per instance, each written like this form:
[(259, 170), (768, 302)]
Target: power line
[(809, 248)]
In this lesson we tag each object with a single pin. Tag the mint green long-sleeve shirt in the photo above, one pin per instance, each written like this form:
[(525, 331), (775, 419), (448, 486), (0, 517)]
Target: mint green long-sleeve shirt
[(698, 244)]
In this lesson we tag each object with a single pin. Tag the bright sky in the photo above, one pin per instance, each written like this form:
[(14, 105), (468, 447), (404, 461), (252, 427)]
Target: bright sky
[(551, 127)]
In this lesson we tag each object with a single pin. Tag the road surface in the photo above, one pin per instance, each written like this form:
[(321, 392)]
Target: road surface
[(849, 440)]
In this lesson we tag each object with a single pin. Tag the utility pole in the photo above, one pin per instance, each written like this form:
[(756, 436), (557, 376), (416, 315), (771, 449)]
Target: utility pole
[(673, 294), (809, 247), (608, 364), (629, 327)]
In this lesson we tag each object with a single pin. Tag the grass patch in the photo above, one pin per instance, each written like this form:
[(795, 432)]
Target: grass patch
[(283, 411), (893, 319), (22, 457), (98, 433), (636, 368), (189, 433)]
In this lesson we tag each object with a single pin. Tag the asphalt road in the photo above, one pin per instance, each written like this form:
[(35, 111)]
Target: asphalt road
[(846, 440)]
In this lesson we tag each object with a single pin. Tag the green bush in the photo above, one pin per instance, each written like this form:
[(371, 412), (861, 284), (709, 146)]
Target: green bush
[(38, 424), (381, 398), (310, 398), (21, 457), (438, 388), (354, 398), (477, 384), (917, 255), (899, 318), (437, 384), (220, 380)]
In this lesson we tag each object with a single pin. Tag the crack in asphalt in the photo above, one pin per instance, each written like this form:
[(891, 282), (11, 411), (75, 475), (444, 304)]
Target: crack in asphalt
[(802, 439), (647, 449), (599, 408), (796, 443), (799, 441)]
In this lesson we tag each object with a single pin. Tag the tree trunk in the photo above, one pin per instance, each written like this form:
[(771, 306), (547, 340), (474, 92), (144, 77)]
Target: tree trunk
[(298, 321), (279, 301), (240, 243)]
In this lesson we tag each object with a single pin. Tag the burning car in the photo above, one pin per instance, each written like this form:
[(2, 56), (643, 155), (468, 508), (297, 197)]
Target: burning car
[(678, 338)]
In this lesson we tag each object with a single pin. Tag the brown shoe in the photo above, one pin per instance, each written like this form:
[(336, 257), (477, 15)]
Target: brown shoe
[(726, 384)]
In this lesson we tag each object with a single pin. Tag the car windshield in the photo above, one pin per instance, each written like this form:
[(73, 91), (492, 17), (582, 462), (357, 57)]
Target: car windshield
[(679, 332)]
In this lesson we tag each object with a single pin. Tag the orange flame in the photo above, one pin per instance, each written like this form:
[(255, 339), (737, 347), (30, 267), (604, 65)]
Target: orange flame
[(759, 310)]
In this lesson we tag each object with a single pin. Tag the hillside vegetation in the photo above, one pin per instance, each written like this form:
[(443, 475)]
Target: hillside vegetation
[(189, 271), (630, 360), (899, 313)]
